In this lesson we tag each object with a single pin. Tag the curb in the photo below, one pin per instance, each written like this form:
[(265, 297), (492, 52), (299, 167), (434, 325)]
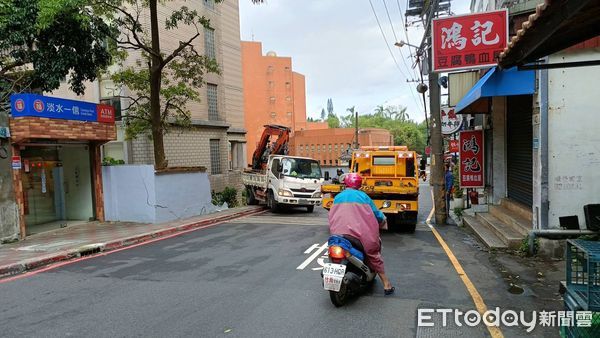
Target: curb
[(91, 249)]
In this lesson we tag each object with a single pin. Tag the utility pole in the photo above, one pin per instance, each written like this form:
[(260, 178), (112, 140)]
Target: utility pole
[(437, 149), (356, 131), (429, 10)]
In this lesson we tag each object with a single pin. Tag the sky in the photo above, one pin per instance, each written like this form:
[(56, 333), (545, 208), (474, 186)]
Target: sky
[(338, 46)]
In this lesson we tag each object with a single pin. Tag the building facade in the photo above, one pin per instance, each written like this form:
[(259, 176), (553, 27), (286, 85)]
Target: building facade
[(273, 94), (542, 145), (329, 145), (216, 138)]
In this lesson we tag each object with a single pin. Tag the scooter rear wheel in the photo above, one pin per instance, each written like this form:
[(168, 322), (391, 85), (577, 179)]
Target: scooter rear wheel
[(339, 298)]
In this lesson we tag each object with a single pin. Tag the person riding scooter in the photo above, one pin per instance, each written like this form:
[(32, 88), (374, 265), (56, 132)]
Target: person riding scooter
[(355, 217)]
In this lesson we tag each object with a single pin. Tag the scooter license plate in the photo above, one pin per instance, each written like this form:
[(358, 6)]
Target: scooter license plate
[(333, 274)]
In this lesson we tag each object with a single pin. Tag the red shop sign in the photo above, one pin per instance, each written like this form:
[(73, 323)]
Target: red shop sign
[(471, 159), (469, 41), (453, 146)]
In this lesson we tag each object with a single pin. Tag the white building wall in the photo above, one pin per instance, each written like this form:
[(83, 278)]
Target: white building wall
[(574, 137)]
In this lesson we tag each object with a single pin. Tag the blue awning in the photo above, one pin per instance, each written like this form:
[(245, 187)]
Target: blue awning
[(496, 82)]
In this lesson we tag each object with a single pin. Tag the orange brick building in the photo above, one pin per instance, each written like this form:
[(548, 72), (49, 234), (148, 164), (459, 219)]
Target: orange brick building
[(328, 145), (273, 94)]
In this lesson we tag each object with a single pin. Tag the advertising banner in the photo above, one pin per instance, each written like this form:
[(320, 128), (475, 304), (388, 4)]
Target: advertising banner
[(471, 159)]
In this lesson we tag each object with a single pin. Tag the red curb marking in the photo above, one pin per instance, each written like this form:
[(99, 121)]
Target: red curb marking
[(117, 246)]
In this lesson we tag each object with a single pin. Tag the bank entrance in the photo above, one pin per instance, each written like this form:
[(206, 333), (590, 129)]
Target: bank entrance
[(57, 186)]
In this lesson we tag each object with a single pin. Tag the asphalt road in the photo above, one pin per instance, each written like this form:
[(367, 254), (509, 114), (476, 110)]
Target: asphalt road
[(247, 278)]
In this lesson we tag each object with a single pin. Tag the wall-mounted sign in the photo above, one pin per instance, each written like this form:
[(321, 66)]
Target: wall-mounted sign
[(471, 159), (16, 162), (453, 146), (56, 108), (451, 121), (469, 41)]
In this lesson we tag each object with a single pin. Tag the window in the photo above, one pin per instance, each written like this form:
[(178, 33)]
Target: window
[(288, 85), (274, 167), (209, 43), (337, 162), (209, 3), (237, 154), (213, 102), (289, 113), (336, 147), (330, 162), (115, 102), (330, 147), (273, 115), (384, 160), (312, 148), (287, 68), (270, 70), (288, 98), (215, 157), (271, 84), (318, 148), (272, 98)]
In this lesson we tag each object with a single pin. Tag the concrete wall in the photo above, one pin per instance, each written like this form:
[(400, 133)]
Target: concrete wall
[(134, 193), (182, 195), (9, 214), (129, 193), (574, 137)]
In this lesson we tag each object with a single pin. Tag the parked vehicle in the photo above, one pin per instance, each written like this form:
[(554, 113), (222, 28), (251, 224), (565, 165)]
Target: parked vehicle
[(287, 181), (346, 274), (389, 174)]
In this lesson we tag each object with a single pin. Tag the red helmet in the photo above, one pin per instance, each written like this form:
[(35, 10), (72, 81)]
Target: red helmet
[(353, 180)]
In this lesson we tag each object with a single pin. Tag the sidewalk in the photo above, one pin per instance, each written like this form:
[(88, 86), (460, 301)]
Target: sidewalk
[(90, 238)]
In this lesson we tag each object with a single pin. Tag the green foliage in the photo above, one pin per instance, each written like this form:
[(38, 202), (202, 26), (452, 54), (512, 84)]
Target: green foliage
[(333, 121), (396, 120), (229, 195), (107, 161), (46, 40), (330, 107), (323, 115), (458, 211), (524, 247)]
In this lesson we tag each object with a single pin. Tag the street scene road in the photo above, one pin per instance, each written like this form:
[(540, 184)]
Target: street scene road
[(251, 277)]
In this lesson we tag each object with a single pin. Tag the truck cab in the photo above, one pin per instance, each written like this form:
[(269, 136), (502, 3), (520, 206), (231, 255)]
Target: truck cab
[(287, 181)]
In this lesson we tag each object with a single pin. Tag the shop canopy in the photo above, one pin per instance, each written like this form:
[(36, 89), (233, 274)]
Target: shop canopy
[(555, 25), (496, 82)]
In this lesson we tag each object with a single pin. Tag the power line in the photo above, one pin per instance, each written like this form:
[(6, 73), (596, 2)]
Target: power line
[(396, 37), (390, 50), (385, 39)]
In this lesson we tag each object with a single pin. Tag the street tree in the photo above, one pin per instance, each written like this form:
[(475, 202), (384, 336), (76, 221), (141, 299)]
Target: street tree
[(329, 107), (162, 82), (333, 121), (45, 41)]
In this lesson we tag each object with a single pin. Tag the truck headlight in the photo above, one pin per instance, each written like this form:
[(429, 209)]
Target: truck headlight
[(317, 194), (286, 193)]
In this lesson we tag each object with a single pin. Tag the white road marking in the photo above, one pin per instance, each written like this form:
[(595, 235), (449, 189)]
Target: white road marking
[(315, 254)]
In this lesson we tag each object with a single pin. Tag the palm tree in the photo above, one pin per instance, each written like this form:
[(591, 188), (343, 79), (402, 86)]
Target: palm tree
[(380, 111)]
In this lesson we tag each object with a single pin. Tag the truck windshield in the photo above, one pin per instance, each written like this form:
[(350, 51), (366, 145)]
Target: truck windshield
[(301, 168)]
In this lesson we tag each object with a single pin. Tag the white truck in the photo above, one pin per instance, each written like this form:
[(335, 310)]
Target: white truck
[(287, 181)]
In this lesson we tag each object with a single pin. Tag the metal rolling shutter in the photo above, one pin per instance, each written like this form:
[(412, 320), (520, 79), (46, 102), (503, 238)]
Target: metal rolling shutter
[(519, 149)]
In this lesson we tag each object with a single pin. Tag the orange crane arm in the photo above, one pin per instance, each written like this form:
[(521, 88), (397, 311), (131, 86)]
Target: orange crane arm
[(259, 159)]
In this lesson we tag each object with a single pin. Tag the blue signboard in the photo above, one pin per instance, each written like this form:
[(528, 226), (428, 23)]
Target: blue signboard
[(57, 108)]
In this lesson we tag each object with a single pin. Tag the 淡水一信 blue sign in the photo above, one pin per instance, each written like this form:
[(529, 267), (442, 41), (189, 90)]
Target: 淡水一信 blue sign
[(56, 108)]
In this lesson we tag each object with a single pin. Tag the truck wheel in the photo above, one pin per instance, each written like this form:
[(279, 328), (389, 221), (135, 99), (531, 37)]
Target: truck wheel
[(250, 199), (310, 208), (272, 203)]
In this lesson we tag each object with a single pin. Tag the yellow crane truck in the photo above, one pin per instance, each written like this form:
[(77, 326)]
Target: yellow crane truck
[(390, 178)]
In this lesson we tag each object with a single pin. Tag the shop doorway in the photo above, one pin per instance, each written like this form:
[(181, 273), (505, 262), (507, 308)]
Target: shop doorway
[(57, 186), (520, 149)]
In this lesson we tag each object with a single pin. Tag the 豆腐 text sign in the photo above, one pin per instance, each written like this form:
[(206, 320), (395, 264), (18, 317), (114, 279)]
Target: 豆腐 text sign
[(469, 41)]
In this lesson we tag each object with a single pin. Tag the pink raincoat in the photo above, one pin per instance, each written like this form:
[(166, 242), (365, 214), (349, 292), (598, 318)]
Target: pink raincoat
[(354, 213)]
